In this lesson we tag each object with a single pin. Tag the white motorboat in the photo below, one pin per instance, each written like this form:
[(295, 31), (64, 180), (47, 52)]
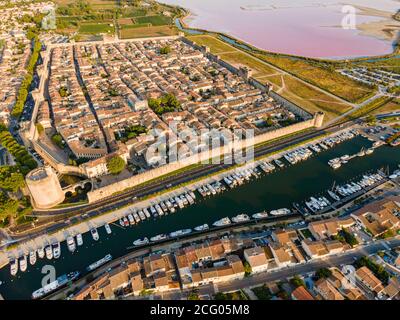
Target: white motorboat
[(159, 237), (108, 228), (241, 218), (49, 252), (95, 234), (32, 257), (203, 227), (279, 212), (333, 195), (41, 253), (260, 215), (147, 213), (56, 250), (23, 263), (131, 219), (140, 242), (79, 239), (71, 244), (222, 222), (14, 267), (180, 233)]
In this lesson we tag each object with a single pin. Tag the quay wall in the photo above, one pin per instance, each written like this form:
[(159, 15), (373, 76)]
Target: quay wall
[(227, 150)]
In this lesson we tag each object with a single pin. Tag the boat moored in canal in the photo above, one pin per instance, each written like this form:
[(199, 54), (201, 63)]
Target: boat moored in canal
[(57, 284), (99, 263), (222, 222), (95, 234), (141, 242), (203, 227)]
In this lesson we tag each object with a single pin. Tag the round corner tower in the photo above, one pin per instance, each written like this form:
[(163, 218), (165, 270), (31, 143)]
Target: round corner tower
[(44, 187)]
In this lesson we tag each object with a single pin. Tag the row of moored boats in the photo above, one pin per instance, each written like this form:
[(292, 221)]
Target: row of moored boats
[(160, 209), (219, 223), (317, 204), (336, 163), (51, 251)]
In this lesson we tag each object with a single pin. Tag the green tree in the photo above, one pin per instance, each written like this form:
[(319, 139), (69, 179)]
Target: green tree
[(8, 206), (167, 103), (58, 140), (323, 273), (349, 237), (247, 269), (165, 50), (193, 295), (268, 122), (115, 165), (378, 270), (10, 179), (39, 128), (297, 282), (220, 296), (371, 119), (63, 91)]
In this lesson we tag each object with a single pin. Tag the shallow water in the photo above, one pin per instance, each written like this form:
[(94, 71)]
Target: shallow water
[(302, 27)]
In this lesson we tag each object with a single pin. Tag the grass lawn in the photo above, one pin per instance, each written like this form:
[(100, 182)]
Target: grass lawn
[(216, 46), (306, 233), (322, 75), (388, 107), (370, 107), (275, 80), (96, 28), (143, 32), (158, 20), (312, 100), (133, 12), (134, 26), (387, 64), (241, 59)]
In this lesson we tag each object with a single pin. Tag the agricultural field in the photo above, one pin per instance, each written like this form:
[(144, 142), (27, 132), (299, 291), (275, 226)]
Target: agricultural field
[(122, 21), (98, 4), (158, 20), (133, 12), (143, 32), (94, 28)]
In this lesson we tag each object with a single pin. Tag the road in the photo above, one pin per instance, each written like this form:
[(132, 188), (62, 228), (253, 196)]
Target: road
[(281, 274), (336, 260), (59, 220)]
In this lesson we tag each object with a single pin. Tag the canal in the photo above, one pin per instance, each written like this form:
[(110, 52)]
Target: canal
[(272, 191)]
